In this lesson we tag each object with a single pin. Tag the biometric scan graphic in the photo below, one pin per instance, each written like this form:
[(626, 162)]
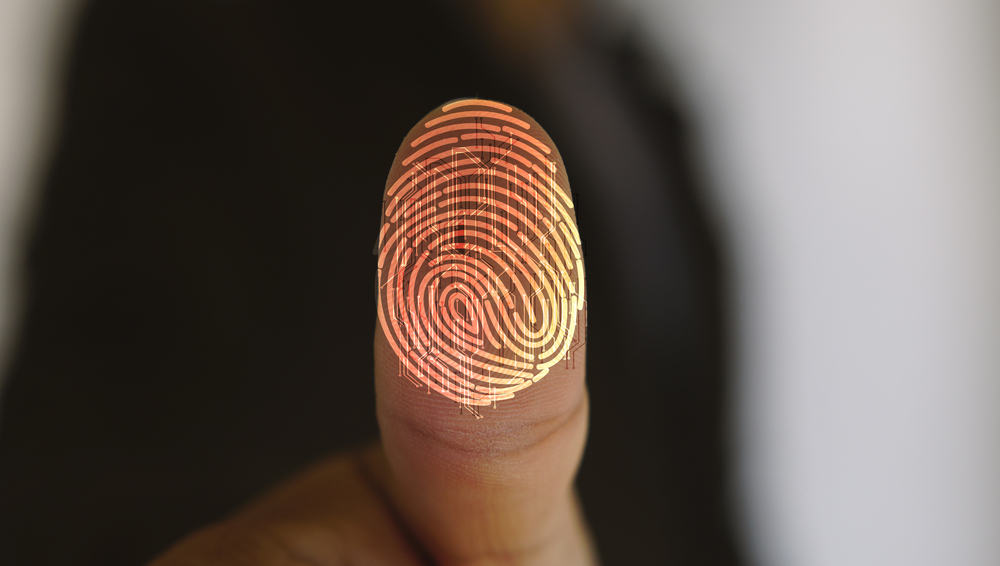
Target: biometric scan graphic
[(480, 268)]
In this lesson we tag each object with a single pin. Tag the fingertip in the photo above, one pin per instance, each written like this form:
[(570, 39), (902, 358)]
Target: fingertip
[(480, 272), (481, 336)]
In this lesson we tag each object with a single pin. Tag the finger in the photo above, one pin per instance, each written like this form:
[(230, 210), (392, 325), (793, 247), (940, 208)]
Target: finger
[(480, 341), (332, 513)]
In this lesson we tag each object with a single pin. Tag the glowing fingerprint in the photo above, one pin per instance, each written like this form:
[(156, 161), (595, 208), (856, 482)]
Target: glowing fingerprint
[(481, 281)]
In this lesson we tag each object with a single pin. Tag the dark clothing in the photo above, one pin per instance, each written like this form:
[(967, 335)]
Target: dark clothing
[(201, 293)]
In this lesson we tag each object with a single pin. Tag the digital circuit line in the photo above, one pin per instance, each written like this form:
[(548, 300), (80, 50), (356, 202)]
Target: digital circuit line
[(481, 280)]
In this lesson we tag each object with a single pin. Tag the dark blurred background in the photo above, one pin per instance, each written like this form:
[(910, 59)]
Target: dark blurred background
[(199, 306)]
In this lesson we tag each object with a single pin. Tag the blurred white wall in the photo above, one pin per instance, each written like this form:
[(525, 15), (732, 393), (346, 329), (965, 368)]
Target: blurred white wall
[(854, 152), (32, 40)]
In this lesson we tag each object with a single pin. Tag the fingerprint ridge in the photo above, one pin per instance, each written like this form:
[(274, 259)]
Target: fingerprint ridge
[(481, 279)]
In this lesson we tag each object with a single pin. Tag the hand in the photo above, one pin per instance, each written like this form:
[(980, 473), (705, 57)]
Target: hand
[(475, 464)]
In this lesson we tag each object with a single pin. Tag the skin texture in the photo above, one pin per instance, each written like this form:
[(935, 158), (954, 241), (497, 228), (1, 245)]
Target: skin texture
[(480, 267), (447, 484)]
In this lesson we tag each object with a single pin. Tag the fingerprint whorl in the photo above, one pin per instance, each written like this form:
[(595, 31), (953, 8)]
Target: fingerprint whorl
[(481, 281)]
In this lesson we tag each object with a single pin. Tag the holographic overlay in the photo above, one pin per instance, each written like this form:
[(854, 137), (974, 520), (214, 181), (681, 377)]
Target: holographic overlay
[(480, 270)]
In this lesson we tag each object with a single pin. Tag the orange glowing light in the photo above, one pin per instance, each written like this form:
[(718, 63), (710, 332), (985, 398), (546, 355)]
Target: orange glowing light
[(481, 282)]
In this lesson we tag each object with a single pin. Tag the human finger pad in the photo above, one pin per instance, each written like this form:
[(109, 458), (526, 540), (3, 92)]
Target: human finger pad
[(480, 272), (480, 341)]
